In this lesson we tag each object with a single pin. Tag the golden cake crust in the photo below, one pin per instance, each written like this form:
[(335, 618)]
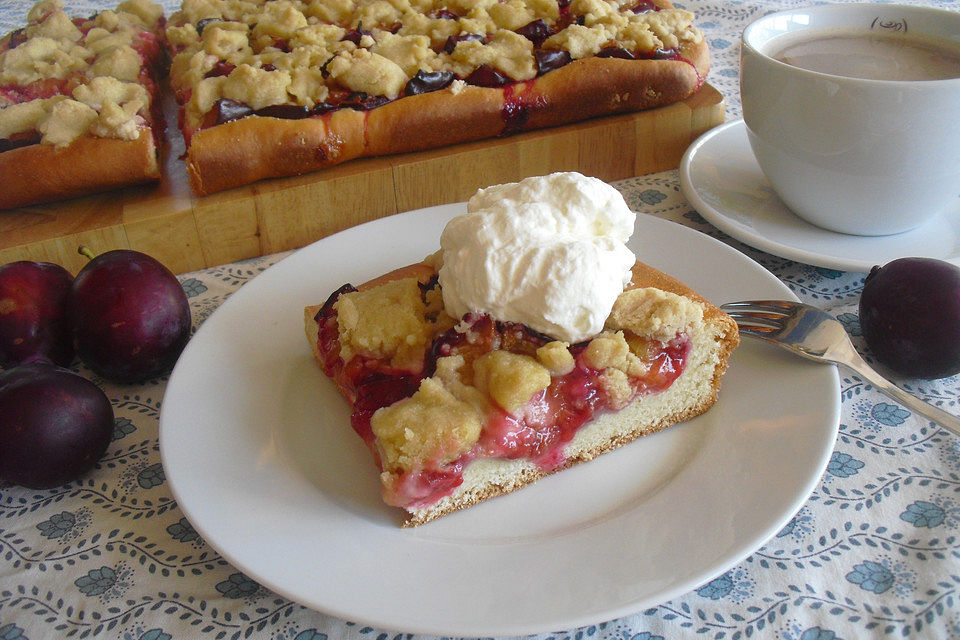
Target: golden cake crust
[(41, 173)]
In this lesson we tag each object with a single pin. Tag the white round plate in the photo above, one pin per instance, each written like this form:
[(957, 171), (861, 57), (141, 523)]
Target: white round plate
[(258, 450), (721, 179)]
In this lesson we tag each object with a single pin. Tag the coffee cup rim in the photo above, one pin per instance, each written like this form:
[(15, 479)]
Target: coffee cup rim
[(747, 42)]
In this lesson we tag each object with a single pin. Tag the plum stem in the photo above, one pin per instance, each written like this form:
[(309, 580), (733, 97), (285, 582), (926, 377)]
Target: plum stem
[(84, 250)]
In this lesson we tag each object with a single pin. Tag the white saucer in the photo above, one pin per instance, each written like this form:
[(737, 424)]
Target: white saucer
[(721, 179)]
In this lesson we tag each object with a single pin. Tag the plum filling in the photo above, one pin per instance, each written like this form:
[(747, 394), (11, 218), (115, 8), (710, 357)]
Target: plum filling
[(46, 88), (518, 106), (536, 32), (357, 100), (203, 22), (222, 68), (538, 433), (616, 52), (425, 82), (645, 6), (17, 38), (624, 54), (356, 34), (452, 41), (487, 76), (18, 140), (550, 60), (226, 110)]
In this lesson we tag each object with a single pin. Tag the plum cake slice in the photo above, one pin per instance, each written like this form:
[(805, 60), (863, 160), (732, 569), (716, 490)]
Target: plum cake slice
[(459, 410)]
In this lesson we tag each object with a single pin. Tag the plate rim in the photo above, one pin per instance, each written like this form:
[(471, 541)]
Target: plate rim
[(749, 235), (428, 627)]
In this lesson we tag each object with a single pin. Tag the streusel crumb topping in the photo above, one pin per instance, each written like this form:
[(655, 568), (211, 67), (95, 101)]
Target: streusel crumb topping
[(510, 379), (387, 322), (444, 418), (556, 357), (432, 424), (89, 69), (610, 350), (655, 313), (377, 46)]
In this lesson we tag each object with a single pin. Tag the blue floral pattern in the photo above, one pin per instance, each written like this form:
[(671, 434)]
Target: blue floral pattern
[(122, 427), (843, 465), (57, 525), (923, 514), (873, 553), (183, 531), (800, 526), (816, 633), (871, 576), (11, 632), (238, 586), (97, 581)]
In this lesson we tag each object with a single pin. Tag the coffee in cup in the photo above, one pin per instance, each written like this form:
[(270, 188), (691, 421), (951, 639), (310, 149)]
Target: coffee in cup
[(871, 55), (852, 113)]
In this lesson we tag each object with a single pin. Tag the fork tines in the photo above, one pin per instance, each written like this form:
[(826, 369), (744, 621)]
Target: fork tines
[(760, 315), (780, 307)]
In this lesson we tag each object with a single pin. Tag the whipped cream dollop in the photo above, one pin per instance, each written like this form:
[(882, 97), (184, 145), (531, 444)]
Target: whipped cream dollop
[(548, 252)]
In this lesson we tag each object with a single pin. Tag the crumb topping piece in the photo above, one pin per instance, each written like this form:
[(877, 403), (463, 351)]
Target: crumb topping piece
[(510, 379), (255, 87), (66, 118), (431, 425), (42, 57), (610, 350), (387, 322), (556, 357), (362, 70), (655, 313)]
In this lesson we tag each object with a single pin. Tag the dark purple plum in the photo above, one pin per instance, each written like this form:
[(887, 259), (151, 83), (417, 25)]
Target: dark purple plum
[(129, 316), (54, 425), (910, 316), (452, 41), (33, 323), (550, 60), (425, 82), (228, 110), (616, 52), (487, 76), (536, 32)]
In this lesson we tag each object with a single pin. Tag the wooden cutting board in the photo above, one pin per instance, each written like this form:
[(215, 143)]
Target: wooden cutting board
[(187, 233)]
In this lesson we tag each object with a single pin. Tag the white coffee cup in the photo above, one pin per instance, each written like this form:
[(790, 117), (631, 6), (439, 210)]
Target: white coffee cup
[(854, 155)]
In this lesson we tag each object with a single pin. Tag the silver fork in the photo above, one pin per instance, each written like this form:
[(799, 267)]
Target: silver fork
[(816, 335)]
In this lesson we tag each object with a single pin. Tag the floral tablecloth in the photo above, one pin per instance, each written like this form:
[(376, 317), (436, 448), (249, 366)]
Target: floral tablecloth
[(873, 552)]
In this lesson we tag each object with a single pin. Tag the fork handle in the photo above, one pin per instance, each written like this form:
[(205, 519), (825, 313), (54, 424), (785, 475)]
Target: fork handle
[(938, 415)]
